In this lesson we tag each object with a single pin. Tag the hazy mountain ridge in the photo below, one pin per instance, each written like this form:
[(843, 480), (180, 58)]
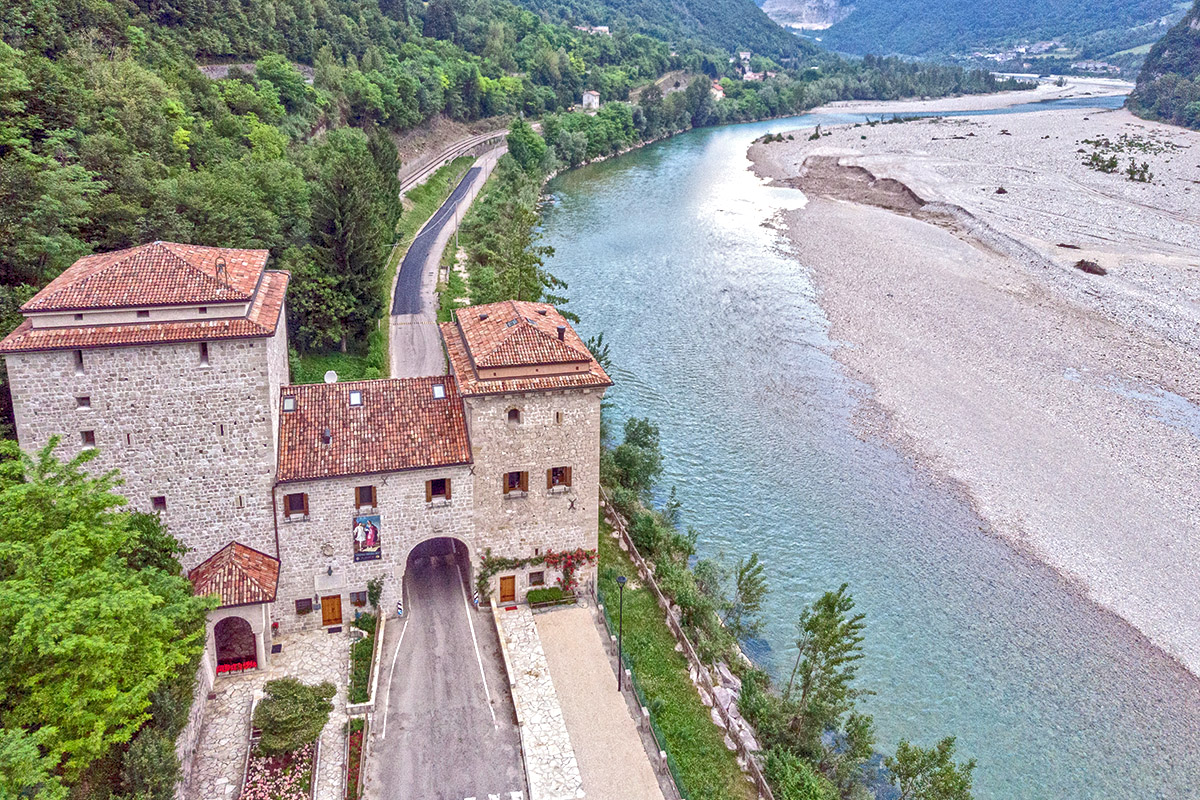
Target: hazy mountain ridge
[(1063, 31), (1168, 87)]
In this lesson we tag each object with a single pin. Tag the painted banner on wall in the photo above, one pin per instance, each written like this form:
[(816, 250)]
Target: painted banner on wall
[(366, 538)]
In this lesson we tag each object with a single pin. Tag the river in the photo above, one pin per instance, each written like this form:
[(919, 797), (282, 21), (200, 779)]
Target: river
[(716, 335)]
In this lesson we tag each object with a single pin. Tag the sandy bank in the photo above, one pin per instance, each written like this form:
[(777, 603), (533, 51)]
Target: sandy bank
[(1074, 87), (1067, 405)]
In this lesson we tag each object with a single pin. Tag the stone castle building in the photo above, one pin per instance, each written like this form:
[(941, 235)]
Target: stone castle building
[(171, 361)]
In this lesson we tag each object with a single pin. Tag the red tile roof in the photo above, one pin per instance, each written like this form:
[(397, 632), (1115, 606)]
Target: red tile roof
[(510, 337), (155, 274), (399, 426), (238, 574), (261, 321)]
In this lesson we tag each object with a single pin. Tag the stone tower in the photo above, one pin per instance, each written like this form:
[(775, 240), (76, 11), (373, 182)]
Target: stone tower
[(168, 359), (531, 392)]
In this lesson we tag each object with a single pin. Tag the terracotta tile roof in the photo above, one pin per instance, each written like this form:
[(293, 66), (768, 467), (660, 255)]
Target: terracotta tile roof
[(238, 574), (400, 425), (514, 336), (261, 321), (155, 274)]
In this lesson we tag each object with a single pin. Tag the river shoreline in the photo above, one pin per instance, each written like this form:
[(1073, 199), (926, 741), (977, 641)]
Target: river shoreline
[(1067, 405)]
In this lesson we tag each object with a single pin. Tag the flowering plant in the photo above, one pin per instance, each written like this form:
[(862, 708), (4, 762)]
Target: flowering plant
[(286, 777), (237, 666), (567, 562)]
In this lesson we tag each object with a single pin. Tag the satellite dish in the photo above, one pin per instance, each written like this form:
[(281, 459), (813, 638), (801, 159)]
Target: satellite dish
[(331, 377)]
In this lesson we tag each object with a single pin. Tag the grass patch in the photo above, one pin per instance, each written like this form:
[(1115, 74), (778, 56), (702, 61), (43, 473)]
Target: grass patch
[(419, 205), (703, 767), (360, 660), (311, 367)]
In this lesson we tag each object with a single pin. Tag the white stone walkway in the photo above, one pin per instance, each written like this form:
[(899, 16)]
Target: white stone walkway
[(549, 758), (312, 657)]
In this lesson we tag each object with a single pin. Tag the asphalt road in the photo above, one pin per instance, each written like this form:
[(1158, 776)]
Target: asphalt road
[(445, 732), (407, 296)]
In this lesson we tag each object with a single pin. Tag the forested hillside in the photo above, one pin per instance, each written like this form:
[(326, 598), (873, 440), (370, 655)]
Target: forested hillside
[(1168, 87), (938, 28)]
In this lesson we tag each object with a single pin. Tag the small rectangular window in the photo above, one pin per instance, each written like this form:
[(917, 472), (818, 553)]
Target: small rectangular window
[(296, 504), (289, 403), (355, 398), (516, 482), (537, 578), (158, 502), (221, 429), (83, 402), (239, 502), (129, 438), (558, 476), (204, 354), (364, 496), (78, 355), (437, 489), (88, 438), (439, 391), (304, 606), (558, 418), (202, 310), (358, 598), (143, 315), (79, 317)]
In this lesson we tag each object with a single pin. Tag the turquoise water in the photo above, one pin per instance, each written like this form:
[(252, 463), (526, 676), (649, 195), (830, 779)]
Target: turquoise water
[(716, 335)]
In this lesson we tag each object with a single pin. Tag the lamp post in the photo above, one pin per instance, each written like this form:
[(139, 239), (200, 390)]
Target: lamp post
[(620, 629)]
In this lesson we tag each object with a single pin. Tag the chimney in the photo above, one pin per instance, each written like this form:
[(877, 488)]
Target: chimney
[(326, 436), (562, 332), (482, 317)]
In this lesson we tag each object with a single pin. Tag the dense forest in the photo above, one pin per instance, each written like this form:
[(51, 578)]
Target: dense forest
[(936, 28), (1168, 87)]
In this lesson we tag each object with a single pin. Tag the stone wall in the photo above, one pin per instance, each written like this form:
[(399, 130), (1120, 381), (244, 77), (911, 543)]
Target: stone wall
[(556, 429), (310, 548), (189, 738), (202, 436)]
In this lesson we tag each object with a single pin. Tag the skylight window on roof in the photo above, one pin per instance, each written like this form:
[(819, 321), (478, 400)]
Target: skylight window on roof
[(289, 403), (356, 398), (439, 391), (531, 322), (511, 322)]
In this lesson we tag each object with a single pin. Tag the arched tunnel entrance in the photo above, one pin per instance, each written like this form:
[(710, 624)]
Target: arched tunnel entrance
[(435, 565)]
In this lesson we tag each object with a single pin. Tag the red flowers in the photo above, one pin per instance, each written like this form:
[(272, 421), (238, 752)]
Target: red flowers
[(567, 562), (237, 666)]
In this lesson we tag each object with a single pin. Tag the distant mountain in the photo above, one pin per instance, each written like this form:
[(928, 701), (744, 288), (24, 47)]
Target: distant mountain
[(1168, 87), (727, 24), (808, 14), (1065, 29)]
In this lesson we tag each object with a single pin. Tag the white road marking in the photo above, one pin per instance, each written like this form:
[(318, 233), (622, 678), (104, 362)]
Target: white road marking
[(391, 674), (483, 675)]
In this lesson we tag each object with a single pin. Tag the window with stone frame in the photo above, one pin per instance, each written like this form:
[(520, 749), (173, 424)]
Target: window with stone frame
[(364, 496), (158, 502), (304, 606), (516, 482), (437, 489), (537, 578), (358, 598), (557, 477), (296, 504), (88, 438)]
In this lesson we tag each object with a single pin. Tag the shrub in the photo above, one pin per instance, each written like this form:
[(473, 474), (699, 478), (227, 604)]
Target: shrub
[(549, 594), (292, 714), (793, 779), (1090, 267), (646, 533), (150, 768)]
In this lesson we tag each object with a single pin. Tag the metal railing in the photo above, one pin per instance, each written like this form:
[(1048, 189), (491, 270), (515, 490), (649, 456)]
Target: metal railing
[(420, 170)]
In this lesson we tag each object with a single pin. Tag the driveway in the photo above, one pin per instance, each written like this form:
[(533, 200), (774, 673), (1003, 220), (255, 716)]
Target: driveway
[(447, 728), (415, 341)]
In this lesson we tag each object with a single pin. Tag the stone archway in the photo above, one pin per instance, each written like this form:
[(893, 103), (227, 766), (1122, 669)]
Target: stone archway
[(442, 554), (234, 641)]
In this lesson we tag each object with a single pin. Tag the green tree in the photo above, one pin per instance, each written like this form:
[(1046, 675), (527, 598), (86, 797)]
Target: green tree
[(87, 638), (526, 146), (638, 458), (292, 714), (930, 774), (741, 612), (25, 771), (829, 647), (150, 768)]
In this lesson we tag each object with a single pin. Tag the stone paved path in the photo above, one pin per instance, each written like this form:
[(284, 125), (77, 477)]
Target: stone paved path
[(549, 758), (612, 758), (312, 657)]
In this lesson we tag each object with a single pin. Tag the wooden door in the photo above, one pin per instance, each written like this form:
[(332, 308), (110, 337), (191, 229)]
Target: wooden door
[(508, 589), (331, 610)]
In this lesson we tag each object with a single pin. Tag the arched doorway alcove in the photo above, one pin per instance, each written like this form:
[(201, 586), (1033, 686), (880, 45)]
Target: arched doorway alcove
[(234, 640)]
